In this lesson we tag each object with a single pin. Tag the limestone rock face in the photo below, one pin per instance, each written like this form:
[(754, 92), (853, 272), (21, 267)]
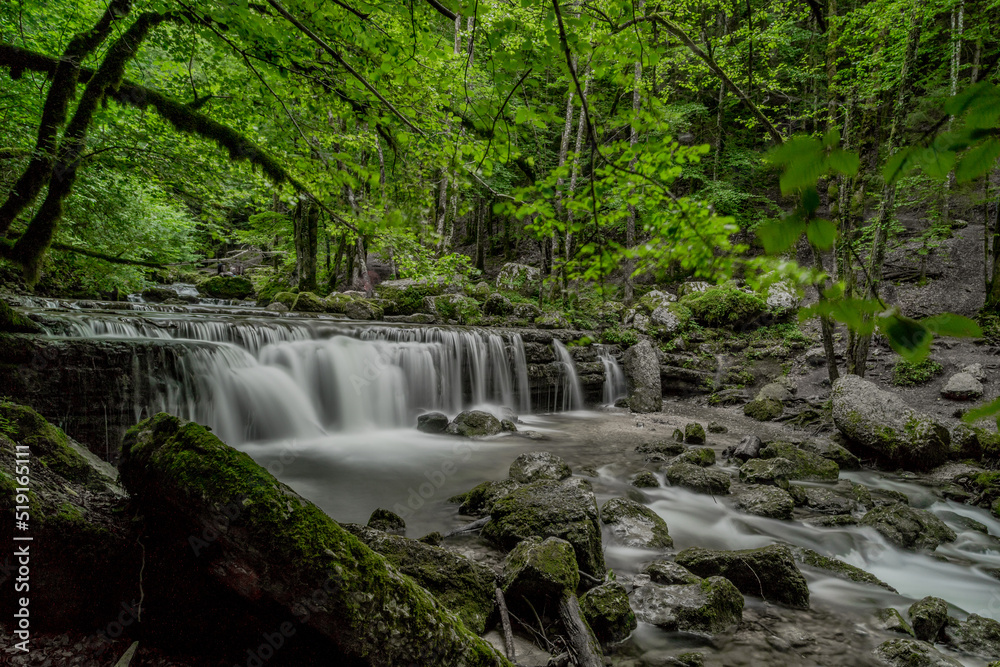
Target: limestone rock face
[(880, 423), (642, 371)]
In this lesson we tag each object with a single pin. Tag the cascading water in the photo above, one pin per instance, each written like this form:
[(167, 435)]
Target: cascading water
[(566, 394), (614, 377)]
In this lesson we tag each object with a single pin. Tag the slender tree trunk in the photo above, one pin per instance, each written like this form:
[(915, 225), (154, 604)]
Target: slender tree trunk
[(305, 221), (574, 172), (957, 25), (560, 204), (633, 139), (332, 277)]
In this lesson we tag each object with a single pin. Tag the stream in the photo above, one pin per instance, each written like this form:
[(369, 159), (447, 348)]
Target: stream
[(329, 406)]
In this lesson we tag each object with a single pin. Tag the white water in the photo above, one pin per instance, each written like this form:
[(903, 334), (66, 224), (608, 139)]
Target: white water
[(614, 377)]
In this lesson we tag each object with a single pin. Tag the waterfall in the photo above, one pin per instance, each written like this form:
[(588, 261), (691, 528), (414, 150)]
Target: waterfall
[(568, 394), (614, 378)]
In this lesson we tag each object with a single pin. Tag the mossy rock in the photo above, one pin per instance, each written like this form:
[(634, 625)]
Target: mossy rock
[(607, 611), (666, 448), (475, 424), (551, 321), (408, 296), (769, 572), (764, 409), (766, 501), (890, 619), (337, 302), (387, 521), (774, 471), (977, 635), (698, 479), (458, 307), (363, 309), (227, 287), (536, 466), (644, 479), (700, 456), (286, 299), (725, 306), (11, 321), (908, 527), (309, 303), (540, 571), (912, 653), (709, 607), (805, 465), (49, 445), (694, 434), (290, 548), (497, 304), (838, 568), (479, 501), (669, 573), (636, 525), (549, 509)]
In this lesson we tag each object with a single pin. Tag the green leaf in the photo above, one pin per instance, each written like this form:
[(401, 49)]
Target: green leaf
[(937, 163), (821, 233), (908, 337), (982, 412), (949, 324), (843, 162), (978, 160), (899, 164), (780, 235), (832, 138)]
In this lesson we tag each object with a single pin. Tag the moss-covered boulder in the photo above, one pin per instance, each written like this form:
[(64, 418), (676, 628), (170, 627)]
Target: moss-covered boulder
[(879, 424), (479, 501), (663, 447), (831, 450), (432, 422), (537, 466), (458, 307), (709, 607), (965, 443), (387, 521), (769, 572), (669, 573), (669, 319), (608, 613), (459, 583), (337, 302), (635, 525), (281, 548), (475, 424), (286, 299), (764, 409), (540, 571), (227, 287), (976, 634), (726, 306), (773, 472), (11, 321), (363, 309), (837, 567), (890, 619), (519, 278), (928, 617), (699, 456), (49, 445), (309, 303), (698, 479), (805, 465), (158, 294), (912, 653), (550, 509), (644, 479), (551, 321), (694, 433), (497, 304), (408, 295), (908, 527), (766, 501)]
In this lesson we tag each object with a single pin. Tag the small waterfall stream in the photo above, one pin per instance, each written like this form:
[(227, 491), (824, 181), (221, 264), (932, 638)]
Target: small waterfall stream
[(614, 377)]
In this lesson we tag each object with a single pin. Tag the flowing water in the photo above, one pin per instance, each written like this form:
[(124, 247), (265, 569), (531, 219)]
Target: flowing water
[(328, 406)]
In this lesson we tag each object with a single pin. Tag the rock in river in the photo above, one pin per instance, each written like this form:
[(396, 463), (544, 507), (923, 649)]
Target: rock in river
[(769, 572)]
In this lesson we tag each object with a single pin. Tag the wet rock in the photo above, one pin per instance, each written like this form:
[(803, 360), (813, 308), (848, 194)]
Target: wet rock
[(432, 422), (908, 527), (774, 472), (891, 620), (608, 613), (668, 573), (678, 435), (977, 635), (337, 302), (766, 501), (286, 299), (540, 570), (928, 617), (387, 522), (880, 423), (280, 548), (710, 607), (309, 303), (537, 466), (479, 501), (644, 479), (827, 501), (769, 572), (497, 304), (748, 448), (777, 391), (837, 567), (549, 509), (475, 424), (962, 387), (696, 478), (276, 307), (805, 465), (666, 447), (459, 583), (158, 294), (831, 450), (362, 309), (642, 371), (965, 443), (227, 287), (837, 521), (519, 278), (716, 427), (700, 456), (912, 653), (763, 409), (694, 434), (636, 525)]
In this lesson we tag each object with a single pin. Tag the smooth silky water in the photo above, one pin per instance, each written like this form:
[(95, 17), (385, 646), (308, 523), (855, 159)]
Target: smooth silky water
[(329, 407)]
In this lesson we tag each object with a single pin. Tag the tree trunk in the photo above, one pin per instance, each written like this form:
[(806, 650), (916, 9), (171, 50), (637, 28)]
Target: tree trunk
[(957, 24), (305, 222)]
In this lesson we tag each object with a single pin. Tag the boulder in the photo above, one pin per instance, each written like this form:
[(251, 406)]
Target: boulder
[(766, 501), (700, 456), (608, 613), (782, 299), (309, 303), (698, 479), (474, 424), (880, 423), (497, 304), (831, 450), (805, 465), (635, 525), (773, 472), (536, 466), (669, 319), (977, 635), (828, 501), (227, 287), (551, 321), (669, 573), (459, 583), (540, 571), (644, 479), (694, 433), (962, 387), (912, 653), (458, 307), (748, 448), (407, 295), (716, 427), (908, 527), (279, 549), (387, 522), (527, 312), (928, 617), (286, 299), (362, 309), (276, 307), (479, 501), (890, 619), (432, 422), (549, 509), (764, 409), (664, 447), (519, 278), (965, 443), (158, 294), (337, 302), (709, 607), (642, 371), (838, 568), (769, 572), (654, 299)]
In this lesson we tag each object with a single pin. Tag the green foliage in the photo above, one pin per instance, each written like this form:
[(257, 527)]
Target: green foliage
[(725, 306), (909, 374), (618, 336)]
